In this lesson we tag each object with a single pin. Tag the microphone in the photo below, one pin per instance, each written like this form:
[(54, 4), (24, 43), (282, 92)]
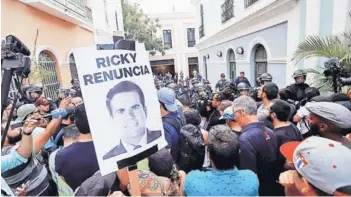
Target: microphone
[(57, 113)]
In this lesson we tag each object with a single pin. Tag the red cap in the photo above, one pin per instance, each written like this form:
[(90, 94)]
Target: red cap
[(288, 149)]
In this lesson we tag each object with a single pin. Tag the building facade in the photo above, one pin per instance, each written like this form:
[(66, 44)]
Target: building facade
[(178, 31), (257, 36), (61, 25)]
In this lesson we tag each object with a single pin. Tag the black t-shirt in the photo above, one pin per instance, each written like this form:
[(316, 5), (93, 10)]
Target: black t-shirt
[(288, 134), (76, 163)]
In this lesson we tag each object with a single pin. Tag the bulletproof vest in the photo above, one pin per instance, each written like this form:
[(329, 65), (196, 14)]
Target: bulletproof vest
[(300, 91), (221, 84)]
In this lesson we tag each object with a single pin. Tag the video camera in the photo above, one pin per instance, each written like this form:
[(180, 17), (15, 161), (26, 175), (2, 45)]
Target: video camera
[(340, 76), (15, 62)]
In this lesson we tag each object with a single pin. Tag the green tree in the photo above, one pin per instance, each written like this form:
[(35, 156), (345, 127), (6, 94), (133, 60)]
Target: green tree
[(138, 26), (38, 74), (335, 46)]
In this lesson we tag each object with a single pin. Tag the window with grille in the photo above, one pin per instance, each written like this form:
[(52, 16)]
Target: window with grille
[(73, 67), (260, 60), (48, 73), (232, 64), (167, 38), (191, 37), (201, 28), (227, 10)]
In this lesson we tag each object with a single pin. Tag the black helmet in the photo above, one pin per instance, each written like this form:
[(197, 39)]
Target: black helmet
[(205, 81), (266, 77), (194, 81), (299, 73), (72, 93), (35, 88), (243, 86)]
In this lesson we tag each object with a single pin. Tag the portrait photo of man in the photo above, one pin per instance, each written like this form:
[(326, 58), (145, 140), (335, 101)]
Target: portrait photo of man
[(126, 105)]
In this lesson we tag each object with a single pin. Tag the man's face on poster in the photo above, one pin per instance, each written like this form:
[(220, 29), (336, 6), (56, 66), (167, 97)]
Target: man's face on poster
[(129, 114)]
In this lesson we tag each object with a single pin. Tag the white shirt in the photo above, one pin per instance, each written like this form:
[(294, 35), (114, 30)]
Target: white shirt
[(130, 147), (302, 125)]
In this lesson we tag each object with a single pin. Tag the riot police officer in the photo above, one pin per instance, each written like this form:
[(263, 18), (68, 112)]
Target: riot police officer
[(221, 83), (243, 89), (35, 91), (296, 92)]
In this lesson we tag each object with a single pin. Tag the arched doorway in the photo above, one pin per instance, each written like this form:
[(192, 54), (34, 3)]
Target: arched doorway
[(260, 60), (48, 74), (231, 64), (73, 67)]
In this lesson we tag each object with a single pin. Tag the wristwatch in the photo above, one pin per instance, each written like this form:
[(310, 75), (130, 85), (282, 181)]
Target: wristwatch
[(24, 133)]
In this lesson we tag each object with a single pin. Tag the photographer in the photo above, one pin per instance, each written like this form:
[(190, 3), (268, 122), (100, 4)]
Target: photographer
[(213, 118)]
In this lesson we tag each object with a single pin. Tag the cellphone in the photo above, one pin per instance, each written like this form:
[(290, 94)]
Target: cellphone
[(16, 125)]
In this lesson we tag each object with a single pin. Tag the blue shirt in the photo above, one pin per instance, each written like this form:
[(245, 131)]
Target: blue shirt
[(259, 153), (221, 183), (171, 133), (11, 160), (239, 80)]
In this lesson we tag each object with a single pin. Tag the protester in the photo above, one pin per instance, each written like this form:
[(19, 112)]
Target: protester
[(258, 146), (70, 136), (268, 92), (224, 104), (322, 168), (24, 149), (224, 178), (328, 120), (170, 119), (43, 105), (33, 170), (241, 79), (78, 161), (185, 101), (192, 145), (228, 116), (285, 130)]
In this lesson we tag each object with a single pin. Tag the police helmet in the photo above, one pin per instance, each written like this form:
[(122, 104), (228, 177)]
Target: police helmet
[(194, 81), (299, 73), (205, 81), (72, 93), (35, 88), (25, 87), (243, 86), (266, 77)]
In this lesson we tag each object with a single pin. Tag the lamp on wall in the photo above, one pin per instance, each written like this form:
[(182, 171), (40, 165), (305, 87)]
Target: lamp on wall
[(219, 53), (207, 56), (239, 50)]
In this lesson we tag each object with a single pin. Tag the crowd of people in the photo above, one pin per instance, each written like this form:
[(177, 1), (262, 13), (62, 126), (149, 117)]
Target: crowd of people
[(241, 141)]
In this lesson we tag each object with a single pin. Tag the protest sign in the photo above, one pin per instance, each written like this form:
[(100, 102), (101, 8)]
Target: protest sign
[(122, 105)]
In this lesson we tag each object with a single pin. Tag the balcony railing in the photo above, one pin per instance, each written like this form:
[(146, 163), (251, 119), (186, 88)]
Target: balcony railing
[(77, 6), (227, 10), (201, 31), (249, 2)]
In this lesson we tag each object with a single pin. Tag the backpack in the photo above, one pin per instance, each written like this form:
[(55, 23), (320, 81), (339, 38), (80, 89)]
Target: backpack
[(192, 148)]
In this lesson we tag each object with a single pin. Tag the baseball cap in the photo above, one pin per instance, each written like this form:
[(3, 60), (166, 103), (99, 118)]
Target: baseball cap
[(227, 114), (324, 163), (97, 185), (167, 97), (337, 114), (24, 111)]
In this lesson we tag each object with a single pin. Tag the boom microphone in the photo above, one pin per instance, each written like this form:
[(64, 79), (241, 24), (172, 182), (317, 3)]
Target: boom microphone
[(57, 113)]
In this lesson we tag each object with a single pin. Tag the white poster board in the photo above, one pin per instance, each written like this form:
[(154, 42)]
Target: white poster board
[(121, 103)]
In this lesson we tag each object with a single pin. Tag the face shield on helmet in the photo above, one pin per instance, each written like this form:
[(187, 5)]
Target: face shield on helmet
[(300, 76)]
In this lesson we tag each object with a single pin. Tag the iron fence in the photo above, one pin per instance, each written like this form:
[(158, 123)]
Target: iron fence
[(49, 78)]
